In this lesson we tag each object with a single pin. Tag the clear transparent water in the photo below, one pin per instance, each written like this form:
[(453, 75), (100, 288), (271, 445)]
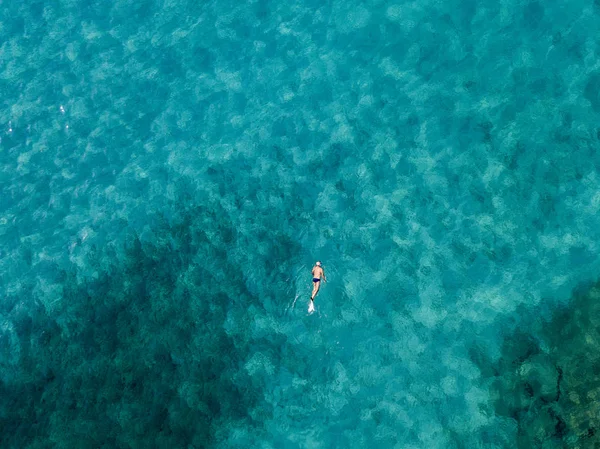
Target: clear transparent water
[(170, 171)]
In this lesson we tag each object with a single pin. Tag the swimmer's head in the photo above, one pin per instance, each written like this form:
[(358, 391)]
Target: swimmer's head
[(318, 263)]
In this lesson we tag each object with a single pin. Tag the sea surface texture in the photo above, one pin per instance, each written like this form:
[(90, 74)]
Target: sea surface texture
[(170, 171)]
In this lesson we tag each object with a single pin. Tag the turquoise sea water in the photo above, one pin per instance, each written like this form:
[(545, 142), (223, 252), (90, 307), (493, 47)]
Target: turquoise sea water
[(171, 170)]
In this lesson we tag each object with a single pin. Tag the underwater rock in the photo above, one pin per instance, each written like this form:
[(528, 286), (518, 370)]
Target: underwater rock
[(548, 381), (540, 375)]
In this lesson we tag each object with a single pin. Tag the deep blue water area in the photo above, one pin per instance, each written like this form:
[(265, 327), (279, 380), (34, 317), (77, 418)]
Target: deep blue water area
[(171, 170)]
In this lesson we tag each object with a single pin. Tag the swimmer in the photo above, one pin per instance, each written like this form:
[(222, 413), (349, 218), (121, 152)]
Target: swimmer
[(318, 274)]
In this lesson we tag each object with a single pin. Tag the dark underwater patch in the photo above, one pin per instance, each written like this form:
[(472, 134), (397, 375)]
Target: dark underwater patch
[(548, 377), (137, 357)]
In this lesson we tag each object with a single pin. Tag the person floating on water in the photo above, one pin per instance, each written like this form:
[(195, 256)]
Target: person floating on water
[(318, 274)]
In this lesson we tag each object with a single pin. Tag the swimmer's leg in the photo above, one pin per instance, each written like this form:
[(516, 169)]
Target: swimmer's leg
[(315, 290)]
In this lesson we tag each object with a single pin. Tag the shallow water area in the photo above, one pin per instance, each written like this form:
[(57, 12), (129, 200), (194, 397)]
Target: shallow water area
[(170, 172)]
